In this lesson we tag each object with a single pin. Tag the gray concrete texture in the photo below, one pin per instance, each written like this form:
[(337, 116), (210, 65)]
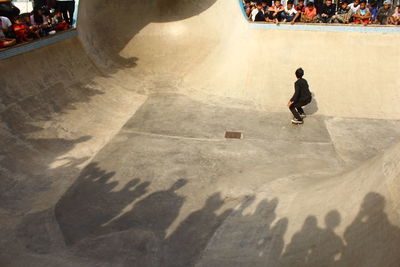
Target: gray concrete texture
[(113, 152)]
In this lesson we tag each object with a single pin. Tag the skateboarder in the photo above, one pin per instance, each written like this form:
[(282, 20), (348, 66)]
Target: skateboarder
[(301, 97)]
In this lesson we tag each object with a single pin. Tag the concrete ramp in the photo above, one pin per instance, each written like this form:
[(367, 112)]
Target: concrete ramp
[(113, 151)]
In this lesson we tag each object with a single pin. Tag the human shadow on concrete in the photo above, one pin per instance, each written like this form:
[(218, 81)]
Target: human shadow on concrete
[(370, 240), (312, 108), (184, 246), (91, 202)]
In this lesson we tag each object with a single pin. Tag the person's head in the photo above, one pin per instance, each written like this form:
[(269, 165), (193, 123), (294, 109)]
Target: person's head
[(356, 2), (246, 3), (363, 5), (259, 5), (328, 2), (373, 5), (387, 4), (27, 19), (344, 4), (310, 5), (18, 20), (300, 2), (277, 2), (264, 4), (300, 72), (290, 4)]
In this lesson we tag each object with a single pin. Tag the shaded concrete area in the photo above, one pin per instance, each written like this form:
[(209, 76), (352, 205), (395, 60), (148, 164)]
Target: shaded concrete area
[(113, 151)]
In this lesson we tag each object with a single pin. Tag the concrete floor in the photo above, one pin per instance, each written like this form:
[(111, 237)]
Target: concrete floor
[(113, 152)]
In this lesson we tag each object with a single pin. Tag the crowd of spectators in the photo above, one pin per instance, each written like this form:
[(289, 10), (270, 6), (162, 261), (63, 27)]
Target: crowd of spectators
[(47, 18), (380, 12)]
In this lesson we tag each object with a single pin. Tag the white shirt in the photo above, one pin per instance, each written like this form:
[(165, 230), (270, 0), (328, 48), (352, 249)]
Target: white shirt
[(290, 12), (5, 24), (254, 13), (353, 8)]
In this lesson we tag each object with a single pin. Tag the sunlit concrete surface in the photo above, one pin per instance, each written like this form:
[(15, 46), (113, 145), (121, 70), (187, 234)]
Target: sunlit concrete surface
[(113, 151)]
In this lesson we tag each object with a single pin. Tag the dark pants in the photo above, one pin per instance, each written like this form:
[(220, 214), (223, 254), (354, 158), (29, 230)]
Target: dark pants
[(67, 8), (8, 10), (296, 108)]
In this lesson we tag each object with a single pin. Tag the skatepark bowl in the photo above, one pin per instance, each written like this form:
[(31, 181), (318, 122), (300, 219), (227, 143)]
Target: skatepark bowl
[(113, 148)]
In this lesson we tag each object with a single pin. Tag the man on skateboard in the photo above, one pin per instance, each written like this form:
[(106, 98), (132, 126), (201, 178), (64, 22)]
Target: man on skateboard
[(301, 97)]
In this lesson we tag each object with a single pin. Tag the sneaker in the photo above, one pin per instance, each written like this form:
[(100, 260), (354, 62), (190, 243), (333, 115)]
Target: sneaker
[(303, 115), (296, 121)]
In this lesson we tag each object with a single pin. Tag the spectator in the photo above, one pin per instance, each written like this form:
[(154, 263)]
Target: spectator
[(59, 24), (327, 12), (384, 13), (343, 14), (310, 13), (6, 26), (264, 6), (363, 15), (355, 6), (7, 9), (300, 8), (258, 13), (374, 10), (33, 30), (5, 42), (41, 21), (67, 8), (247, 8), (289, 13), (21, 31), (275, 12), (395, 18)]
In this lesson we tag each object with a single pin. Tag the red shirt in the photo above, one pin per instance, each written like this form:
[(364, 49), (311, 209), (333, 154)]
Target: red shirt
[(310, 13), (19, 28)]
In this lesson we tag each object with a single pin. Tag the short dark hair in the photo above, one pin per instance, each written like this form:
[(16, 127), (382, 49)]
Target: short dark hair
[(299, 73), (310, 4), (290, 2)]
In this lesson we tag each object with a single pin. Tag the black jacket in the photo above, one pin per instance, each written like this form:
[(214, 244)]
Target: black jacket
[(301, 91), (329, 10)]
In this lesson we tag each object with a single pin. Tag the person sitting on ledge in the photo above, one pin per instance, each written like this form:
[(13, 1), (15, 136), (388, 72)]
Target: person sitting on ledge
[(395, 18), (384, 13), (275, 12), (5, 42), (289, 13), (300, 8), (33, 30), (363, 15), (59, 24), (21, 31), (310, 14), (343, 14), (374, 11), (258, 13), (355, 6), (327, 12)]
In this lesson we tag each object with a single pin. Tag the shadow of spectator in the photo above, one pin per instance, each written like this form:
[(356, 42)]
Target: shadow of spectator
[(311, 108), (154, 213), (302, 244), (90, 202), (371, 239), (330, 246), (185, 244)]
